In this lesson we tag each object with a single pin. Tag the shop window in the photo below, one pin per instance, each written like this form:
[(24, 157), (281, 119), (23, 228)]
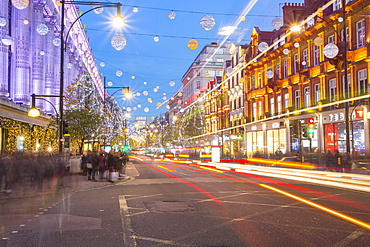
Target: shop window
[(306, 97), (360, 33), (305, 58), (317, 93), (316, 55), (198, 84), (295, 64), (331, 39), (332, 89), (362, 82), (297, 99)]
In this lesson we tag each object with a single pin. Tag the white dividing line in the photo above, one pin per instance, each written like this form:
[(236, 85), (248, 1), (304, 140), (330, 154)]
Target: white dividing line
[(128, 232)]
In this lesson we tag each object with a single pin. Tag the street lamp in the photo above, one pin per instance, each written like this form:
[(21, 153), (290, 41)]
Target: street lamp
[(63, 46)]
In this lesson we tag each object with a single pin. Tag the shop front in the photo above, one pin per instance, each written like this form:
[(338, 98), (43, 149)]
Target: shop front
[(254, 140), (276, 138)]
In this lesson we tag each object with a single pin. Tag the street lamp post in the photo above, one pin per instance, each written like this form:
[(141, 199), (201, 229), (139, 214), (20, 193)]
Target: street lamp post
[(63, 47)]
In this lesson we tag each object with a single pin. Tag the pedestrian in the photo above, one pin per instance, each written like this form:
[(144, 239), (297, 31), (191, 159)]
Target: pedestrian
[(329, 160), (337, 161), (102, 165), (346, 162), (2, 174), (8, 165), (111, 164), (95, 164), (83, 164), (119, 162), (89, 164)]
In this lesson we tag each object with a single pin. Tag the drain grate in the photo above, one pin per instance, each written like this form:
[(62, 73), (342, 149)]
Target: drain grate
[(169, 206)]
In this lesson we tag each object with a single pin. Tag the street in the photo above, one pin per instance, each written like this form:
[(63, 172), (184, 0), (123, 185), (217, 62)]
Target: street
[(184, 204)]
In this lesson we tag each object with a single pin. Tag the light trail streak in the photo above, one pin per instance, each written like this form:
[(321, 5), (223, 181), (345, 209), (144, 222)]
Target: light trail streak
[(282, 163), (166, 168), (318, 206)]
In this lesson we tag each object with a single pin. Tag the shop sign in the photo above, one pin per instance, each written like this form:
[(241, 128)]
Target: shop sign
[(277, 125), (359, 113), (336, 117)]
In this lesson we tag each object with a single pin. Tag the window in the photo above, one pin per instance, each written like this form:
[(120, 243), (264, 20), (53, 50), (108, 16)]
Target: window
[(260, 109), (209, 60), (297, 99), (282, 39), (332, 89), (337, 4), (253, 81), (286, 100), (259, 80), (346, 86), (272, 105), (219, 73), (331, 39), (285, 68), (317, 93), (305, 58), (220, 60), (307, 102), (254, 111), (316, 55), (276, 44), (295, 64), (198, 84), (342, 35), (360, 33), (277, 69), (279, 104), (211, 73), (362, 82)]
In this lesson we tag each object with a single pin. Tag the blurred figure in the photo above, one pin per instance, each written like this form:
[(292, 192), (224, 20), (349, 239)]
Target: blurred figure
[(89, 164), (8, 164), (119, 162), (2, 174), (111, 163), (83, 164), (95, 164), (102, 159), (329, 160)]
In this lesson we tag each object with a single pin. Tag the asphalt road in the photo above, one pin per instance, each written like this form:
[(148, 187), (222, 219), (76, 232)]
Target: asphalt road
[(172, 204)]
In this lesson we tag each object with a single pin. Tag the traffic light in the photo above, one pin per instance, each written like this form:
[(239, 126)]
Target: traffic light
[(311, 127), (304, 132), (65, 128)]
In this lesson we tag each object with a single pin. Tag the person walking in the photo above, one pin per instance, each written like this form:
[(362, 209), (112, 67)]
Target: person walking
[(119, 162), (329, 160), (89, 164), (95, 164), (83, 164), (8, 164), (102, 159), (111, 164), (2, 174)]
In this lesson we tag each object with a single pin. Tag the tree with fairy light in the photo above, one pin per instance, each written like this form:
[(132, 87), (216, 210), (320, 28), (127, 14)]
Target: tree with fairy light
[(83, 111)]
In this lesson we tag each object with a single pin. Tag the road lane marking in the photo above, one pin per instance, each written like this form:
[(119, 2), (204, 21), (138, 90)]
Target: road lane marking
[(318, 206), (347, 241), (128, 232)]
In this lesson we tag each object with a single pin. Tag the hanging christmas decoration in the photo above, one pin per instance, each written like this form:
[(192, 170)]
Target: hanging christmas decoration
[(164, 93), (133, 77), (7, 40), (150, 100), (26, 22), (135, 108), (157, 87), (145, 93), (168, 107), (172, 83), (269, 74), (179, 94), (304, 63), (135, 10), (98, 11), (242, 18), (159, 104), (286, 51), (172, 15), (277, 22), (102, 64), (110, 83), (311, 21), (118, 42), (42, 29), (164, 97), (155, 90), (192, 44), (179, 102), (128, 109), (57, 41), (138, 94), (152, 117), (119, 73), (145, 82), (207, 22), (207, 74), (146, 109), (156, 38), (20, 4), (2, 22), (69, 65), (262, 46), (42, 53), (138, 106), (331, 50), (296, 44)]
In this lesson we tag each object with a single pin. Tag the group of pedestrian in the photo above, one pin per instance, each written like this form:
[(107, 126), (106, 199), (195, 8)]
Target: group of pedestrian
[(95, 164), (337, 162)]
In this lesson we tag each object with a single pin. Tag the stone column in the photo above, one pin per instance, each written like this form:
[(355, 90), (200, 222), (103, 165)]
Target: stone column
[(50, 51), (4, 73)]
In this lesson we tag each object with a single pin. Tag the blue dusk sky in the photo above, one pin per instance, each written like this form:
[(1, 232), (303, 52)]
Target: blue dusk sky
[(146, 64)]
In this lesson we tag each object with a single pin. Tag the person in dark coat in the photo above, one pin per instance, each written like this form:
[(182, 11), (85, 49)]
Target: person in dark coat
[(102, 159), (329, 160), (83, 164), (95, 164), (111, 164), (89, 164), (119, 161)]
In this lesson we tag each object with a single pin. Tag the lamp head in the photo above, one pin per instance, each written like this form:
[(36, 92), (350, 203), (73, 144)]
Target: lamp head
[(33, 112), (295, 28)]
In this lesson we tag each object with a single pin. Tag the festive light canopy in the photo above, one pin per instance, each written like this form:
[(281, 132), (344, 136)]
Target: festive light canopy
[(277, 22), (118, 42), (207, 22), (192, 44), (172, 15), (331, 50)]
